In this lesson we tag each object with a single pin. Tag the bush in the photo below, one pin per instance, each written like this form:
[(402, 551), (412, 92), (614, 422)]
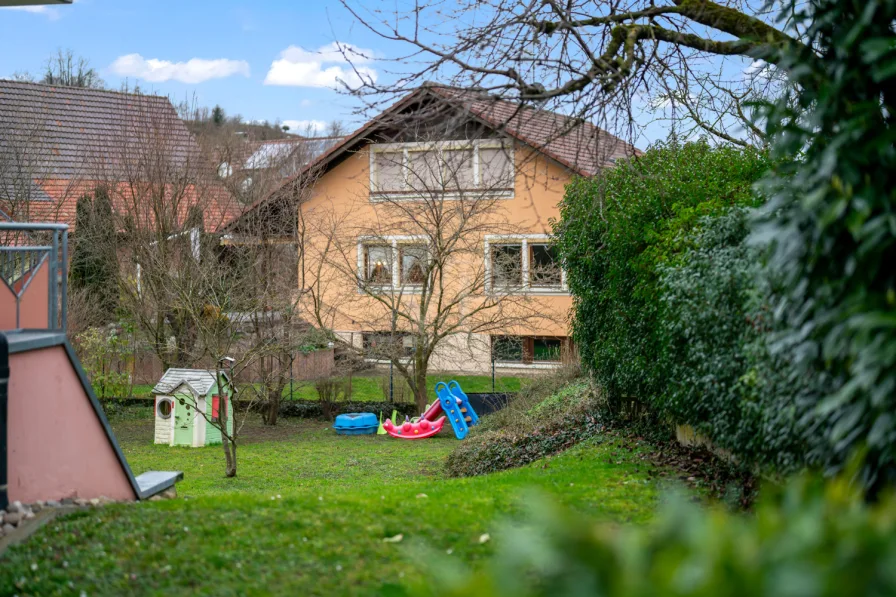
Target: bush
[(714, 329), (617, 229), (100, 350), (556, 423), (809, 540), (312, 409), (328, 391), (831, 221), (515, 415)]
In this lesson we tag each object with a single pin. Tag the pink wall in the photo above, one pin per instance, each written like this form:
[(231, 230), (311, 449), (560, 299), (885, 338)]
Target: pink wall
[(33, 308), (57, 445)]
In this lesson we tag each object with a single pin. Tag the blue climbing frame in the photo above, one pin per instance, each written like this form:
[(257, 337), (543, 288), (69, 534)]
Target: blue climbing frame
[(456, 407)]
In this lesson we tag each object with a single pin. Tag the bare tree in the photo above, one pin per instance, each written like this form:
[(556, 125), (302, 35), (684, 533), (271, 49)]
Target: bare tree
[(31, 185), (694, 60), (263, 250), (67, 70)]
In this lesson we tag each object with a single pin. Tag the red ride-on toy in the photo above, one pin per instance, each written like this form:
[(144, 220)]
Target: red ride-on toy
[(452, 405)]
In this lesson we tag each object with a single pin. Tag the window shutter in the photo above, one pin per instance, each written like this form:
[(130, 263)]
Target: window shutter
[(216, 406)]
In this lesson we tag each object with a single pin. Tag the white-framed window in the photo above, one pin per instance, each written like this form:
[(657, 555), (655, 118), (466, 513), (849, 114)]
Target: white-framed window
[(454, 168), (525, 262), (393, 263)]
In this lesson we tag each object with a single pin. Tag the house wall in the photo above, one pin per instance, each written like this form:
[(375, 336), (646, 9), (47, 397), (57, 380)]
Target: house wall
[(342, 196), (212, 433), (57, 446), (164, 427)]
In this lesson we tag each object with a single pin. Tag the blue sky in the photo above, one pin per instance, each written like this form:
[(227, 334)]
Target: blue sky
[(258, 59), (264, 60)]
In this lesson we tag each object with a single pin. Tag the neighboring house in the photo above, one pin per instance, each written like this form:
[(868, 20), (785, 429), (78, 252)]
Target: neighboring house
[(517, 158), (269, 162), (59, 143)]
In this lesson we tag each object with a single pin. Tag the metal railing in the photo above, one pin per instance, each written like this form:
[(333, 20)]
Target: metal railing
[(21, 257)]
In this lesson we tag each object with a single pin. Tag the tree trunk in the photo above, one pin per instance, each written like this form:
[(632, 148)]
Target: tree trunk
[(272, 409), (420, 395), (229, 456)]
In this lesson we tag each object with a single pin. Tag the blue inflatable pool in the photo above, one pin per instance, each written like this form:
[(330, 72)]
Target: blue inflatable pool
[(356, 424)]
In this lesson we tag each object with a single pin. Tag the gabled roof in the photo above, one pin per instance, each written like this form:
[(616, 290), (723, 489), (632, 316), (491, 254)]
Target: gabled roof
[(201, 380), (58, 143), (68, 130), (575, 144)]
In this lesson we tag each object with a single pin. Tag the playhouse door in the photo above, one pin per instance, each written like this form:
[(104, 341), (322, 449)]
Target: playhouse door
[(183, 424)]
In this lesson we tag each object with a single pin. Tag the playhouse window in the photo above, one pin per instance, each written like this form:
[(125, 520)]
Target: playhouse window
[(164, 409), (219, 409)]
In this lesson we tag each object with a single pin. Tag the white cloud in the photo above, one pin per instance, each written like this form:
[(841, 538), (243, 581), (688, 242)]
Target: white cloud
[(666, 100), (50, 12), (194, 70), (758, 69), (306, 127), (300, 68)]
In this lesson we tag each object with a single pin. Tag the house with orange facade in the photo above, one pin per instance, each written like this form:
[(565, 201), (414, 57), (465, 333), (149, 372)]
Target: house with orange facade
[(431, 225)]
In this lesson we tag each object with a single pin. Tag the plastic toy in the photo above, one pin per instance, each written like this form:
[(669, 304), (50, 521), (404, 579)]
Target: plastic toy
[(452, 404), (379, 429), (187, 404), (355, 424)]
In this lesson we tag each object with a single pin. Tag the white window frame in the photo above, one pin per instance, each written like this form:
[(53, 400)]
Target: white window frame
[(523, 240), (405, 148), (396, 243)]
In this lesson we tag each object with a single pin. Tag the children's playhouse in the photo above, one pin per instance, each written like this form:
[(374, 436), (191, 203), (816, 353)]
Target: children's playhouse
[(188, 405)]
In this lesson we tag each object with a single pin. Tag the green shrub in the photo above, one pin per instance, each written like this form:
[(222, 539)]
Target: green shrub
[(832, 222), (617, 229), (714, 329), (809, 540), (559, 422), (516, 415)]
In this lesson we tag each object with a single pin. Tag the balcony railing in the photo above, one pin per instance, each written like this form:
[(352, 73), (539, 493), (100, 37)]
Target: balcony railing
[(25, 250)]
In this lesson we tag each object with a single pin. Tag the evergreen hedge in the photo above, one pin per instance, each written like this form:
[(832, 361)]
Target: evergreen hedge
[(617, 231)]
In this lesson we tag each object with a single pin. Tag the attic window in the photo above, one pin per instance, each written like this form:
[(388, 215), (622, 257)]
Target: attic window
[(450, 167)]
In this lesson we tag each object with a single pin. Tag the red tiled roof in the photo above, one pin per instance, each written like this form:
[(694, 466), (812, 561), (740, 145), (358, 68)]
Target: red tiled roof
[(217, 204), (579, 145)]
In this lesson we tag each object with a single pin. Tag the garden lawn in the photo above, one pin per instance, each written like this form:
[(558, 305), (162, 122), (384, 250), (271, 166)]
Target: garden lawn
[(308, 515), (369, 388)]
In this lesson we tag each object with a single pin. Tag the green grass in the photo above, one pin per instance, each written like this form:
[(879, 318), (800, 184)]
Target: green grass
[(307, 515), (369, 389)]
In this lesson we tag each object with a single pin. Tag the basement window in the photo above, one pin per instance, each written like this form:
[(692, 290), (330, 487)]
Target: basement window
[(527, 350)]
